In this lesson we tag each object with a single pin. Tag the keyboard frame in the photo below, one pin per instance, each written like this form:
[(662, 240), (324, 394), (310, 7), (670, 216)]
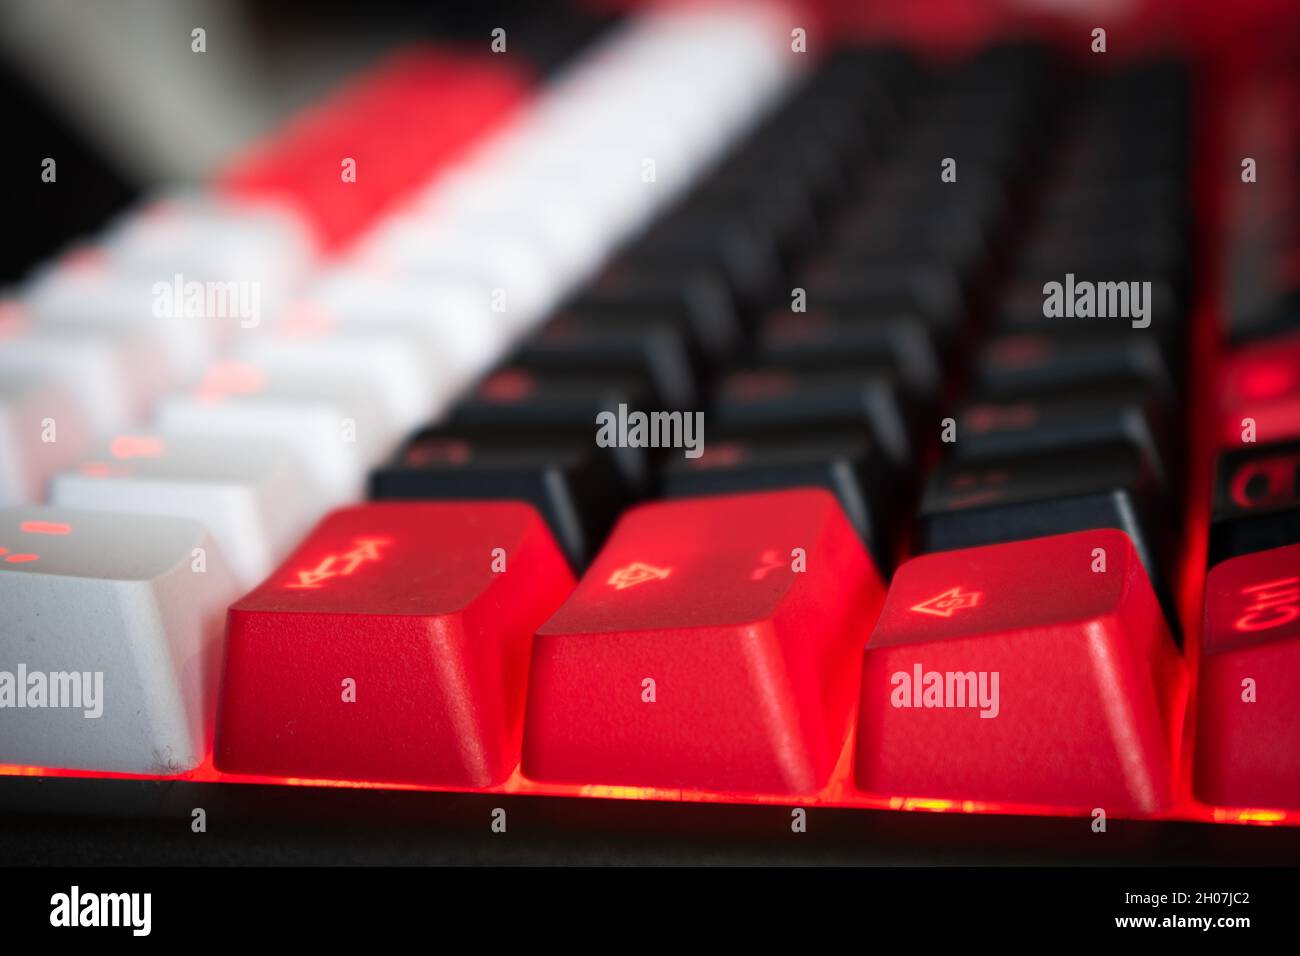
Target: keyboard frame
[(89, 821)]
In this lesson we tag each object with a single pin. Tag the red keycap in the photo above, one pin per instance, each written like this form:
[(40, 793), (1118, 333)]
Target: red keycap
[(712, 645), (1023, 673), (416, 111), (392, 646), (1248, 708), (1261, 383)]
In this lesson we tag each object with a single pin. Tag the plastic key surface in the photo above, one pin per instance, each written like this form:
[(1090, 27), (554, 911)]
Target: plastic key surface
[(252, 494), (1248, 721), (391, 646), (711, 645), (1023, 674), (110, 639)]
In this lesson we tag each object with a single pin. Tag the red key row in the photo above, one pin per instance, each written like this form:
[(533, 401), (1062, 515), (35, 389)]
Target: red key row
[(341, 164), (715, 645)]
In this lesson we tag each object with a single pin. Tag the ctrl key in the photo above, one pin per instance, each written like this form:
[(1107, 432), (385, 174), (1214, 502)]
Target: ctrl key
[(110, 638), (392, 646), (1248, 711), (1039, 672)]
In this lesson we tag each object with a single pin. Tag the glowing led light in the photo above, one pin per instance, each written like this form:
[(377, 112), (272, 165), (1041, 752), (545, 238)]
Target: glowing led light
[(136, 446), (755, 385), (933, 806), (304, 320), (1273, 604), (770, 563), (983, 418), (1263, 817), (45, 527), (450, 450), (339, 565), (102, 469), (949, 602), (719, 455), (509, 386), (1269, 379), (637, 573), (1022, 350), (22, 558), (230, 378)]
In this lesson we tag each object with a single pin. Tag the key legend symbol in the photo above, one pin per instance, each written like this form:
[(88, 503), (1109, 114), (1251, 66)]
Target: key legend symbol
[(770, 563), (637, 573), (363, 550), (949, 602)]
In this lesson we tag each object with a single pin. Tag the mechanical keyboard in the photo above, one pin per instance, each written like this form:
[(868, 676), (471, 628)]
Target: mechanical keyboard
[(699, 434)]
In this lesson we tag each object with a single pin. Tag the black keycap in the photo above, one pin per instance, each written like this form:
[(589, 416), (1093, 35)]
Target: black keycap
[(847, 463), (868, 398), (650, 352), (952, 236), (1018, 366), (569, 480), (696, 300), (783, 209), (968, 504), (1256, 500), (1020, 308), (1028, 426), (827, 338), (514, 399), (899, 287), (1261, 308), (738, 245)]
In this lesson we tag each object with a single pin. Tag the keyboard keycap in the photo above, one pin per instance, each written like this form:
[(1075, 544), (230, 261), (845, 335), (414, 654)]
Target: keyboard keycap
[(1018, 674), (831, 339), (765, 398), (42, 431), (847, 464), (1020, 366), (391, 646), (252, 495), (655, 353), (1262, 383), (1248, 714), (130, 608), (114, 375), (967, 504), (710, 645), (1058, 423), (1256, 500), (87, 295), (337, 428), (388, 363), (571, 482)]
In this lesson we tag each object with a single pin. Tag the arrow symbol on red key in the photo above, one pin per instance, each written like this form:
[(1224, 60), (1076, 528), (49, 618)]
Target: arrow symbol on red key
[(313, 578), (366, 549), (947, 603)]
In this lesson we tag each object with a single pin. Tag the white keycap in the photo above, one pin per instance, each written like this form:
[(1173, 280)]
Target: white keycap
[(115, 375), (206, 237), (337, 428), (42, 431), (89, 295), (453, 321), (427, 248), (134, 607), (388, 362), (253, 495)]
